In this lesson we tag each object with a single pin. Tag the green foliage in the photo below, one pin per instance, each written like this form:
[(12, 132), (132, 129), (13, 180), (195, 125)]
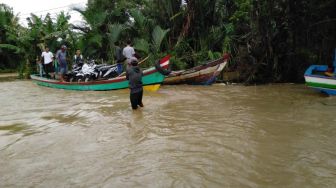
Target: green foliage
[(115, 31), (243, 9), (10, 47), (184, 53), (271, 41), (142, 45), (21, 70), (280, 31), (158, 35), (28, 70), (177, 64), (214, 55)]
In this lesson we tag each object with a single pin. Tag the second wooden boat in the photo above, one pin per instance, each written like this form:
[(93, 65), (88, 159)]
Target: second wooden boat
[(205, 74)]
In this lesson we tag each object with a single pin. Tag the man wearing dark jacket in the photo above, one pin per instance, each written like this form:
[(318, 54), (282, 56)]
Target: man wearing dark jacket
[(119, 57), (134, 75)]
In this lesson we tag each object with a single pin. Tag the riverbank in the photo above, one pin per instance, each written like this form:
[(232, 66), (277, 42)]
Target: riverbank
[(8, 76)]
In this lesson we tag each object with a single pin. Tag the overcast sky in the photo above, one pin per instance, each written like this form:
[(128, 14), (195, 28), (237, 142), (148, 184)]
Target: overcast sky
[(42, 7)]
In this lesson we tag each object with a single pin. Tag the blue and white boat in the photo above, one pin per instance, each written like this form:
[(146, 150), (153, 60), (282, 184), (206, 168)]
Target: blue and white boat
[(318, 78)]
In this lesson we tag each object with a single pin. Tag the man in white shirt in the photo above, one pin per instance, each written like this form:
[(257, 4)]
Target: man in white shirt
[(47, 62), (129, 53)]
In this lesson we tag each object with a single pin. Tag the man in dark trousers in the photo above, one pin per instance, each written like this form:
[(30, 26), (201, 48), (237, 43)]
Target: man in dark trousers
[(134, 75), (119, 57), (62, 62)]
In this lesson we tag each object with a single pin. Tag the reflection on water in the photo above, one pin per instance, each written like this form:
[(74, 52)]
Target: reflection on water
[(185, 136)]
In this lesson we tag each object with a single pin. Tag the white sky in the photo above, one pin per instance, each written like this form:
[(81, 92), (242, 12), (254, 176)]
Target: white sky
[(41, 7)]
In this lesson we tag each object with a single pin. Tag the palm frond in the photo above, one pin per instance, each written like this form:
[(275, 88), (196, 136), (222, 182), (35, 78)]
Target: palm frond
[(139, 18), (158, 35), (114, 32), (95, 40), (141, 45)]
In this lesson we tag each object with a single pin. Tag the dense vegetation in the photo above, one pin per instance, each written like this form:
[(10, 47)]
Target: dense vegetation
[(270, 41)]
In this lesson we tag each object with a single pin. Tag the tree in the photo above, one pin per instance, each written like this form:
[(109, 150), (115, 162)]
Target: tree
[(9, 49), (270, 41)]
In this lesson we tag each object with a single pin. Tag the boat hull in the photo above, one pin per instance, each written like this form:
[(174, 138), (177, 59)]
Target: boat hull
[(151, 78), (201, 75), (321, 83)]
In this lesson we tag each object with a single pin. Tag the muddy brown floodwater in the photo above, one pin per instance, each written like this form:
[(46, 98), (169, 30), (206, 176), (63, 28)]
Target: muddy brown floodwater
[(186, 136)]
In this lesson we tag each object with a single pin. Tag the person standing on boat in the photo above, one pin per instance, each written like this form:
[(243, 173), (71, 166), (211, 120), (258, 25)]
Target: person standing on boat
[(47, 61), (134, 76), (78, 58), (129, 53), (61, 59), (119, 57), (39, 66)]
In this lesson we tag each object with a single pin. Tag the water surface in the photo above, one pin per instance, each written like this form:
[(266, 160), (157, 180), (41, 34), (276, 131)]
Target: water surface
[(186, 136)]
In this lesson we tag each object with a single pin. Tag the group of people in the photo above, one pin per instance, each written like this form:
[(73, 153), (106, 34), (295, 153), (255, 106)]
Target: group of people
[(57, 65), (52, 65)]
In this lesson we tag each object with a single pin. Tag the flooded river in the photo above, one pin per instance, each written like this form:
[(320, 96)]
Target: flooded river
[(185, 136)]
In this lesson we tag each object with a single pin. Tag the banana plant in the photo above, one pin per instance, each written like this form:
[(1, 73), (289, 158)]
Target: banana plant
[(9, 46)]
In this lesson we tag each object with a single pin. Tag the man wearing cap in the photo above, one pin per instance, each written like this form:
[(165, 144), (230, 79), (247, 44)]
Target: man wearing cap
[(61, 59), (134, 75)]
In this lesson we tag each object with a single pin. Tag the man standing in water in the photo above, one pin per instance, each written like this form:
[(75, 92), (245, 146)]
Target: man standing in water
[(61, 59), (47, 61), (134, 75)]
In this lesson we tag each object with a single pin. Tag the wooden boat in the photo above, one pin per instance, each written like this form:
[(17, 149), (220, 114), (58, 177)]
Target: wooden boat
[(151, 81), (205, 74), (317, 78)]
